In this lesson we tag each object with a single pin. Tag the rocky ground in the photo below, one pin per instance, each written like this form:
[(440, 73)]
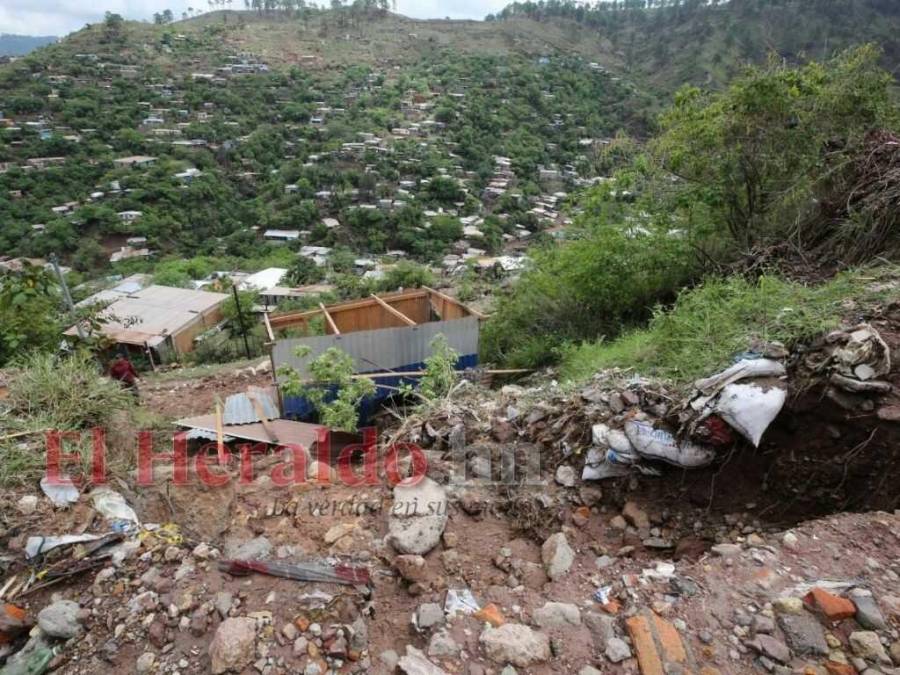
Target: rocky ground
[(730, 568)]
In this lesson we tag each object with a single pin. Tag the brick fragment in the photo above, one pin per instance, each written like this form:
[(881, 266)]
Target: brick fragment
[(832, 607)]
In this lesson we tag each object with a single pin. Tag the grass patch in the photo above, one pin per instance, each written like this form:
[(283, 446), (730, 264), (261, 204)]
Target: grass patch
[(711, 323), (47, 392)]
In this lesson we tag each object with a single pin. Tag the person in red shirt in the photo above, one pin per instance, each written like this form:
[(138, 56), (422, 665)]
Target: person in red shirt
[(122, 370)]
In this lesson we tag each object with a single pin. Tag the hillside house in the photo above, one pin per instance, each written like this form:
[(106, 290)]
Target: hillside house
[(129, 216), (129, 252), (134, 161), (161, 319), (281, 236)]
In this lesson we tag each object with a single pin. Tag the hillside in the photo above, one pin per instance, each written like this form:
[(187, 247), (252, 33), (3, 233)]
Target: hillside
[(19, 45), (675, 43)]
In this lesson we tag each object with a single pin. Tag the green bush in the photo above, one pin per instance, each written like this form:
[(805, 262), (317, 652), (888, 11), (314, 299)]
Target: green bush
[(583, 289), (711, 323)]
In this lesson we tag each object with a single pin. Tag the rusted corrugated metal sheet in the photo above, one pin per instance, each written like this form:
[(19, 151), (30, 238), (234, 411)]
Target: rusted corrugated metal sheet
[(285, 432)]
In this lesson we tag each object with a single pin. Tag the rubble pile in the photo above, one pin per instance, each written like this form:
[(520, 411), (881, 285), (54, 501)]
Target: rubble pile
[(578, 568)]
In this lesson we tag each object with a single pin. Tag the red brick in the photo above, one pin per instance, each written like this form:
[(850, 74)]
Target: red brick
[(642, 639), (832, 607)]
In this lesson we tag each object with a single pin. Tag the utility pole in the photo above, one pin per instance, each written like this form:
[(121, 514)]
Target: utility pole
[(66, 295), (237, 302)]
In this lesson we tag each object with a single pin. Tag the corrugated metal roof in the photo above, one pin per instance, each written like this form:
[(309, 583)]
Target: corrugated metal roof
[(239, 409), (156, 310)]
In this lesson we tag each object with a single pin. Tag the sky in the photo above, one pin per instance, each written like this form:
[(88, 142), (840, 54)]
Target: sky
[(60, 17)]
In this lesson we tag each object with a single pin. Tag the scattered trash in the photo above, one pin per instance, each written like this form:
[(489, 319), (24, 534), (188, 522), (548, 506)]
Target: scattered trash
[(604, 470), (491, 614), (33, 659), (460, 601), (859, 386), (62, 494), (863, 354), (38, 545), (715, 431), (750, 406), (658, 444), (742, 370), (601, 595), (314, 572), (112, 506)]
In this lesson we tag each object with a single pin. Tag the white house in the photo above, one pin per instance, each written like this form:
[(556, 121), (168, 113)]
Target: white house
[(281, 236), (129, 216)]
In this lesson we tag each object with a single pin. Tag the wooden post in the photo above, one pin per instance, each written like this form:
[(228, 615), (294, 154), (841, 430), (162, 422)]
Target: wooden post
[(395, 312)]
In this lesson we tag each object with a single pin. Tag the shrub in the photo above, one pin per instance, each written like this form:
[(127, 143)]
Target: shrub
[(711, 323), (583, 289)]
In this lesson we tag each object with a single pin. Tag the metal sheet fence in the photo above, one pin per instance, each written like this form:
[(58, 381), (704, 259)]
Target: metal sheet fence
[(388, 349), (384, 349)]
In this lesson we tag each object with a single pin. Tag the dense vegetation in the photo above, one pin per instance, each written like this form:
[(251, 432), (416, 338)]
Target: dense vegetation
[(746, 174), (674, 42)]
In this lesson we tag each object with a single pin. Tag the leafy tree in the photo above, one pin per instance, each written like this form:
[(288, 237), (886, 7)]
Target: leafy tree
[(305, 271)]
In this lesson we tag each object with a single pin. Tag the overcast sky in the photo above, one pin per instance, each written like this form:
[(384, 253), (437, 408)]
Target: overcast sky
[(59, 17)]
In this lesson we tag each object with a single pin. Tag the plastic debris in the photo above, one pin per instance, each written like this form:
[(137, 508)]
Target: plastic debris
[(599, 434), (62, 494), (597, 466), (742, 370), (13, 622), (460, 601), (748, 396), (36, 546), (314, 572), (618, 441), (715, 431), (658, 444), (33, 659), (112, 506), (601, 595)]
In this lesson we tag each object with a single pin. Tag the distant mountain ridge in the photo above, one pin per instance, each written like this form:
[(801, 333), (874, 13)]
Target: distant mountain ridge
[(19, 45)]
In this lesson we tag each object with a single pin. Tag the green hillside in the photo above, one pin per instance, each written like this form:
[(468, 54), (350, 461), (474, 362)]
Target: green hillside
[(673, 42)]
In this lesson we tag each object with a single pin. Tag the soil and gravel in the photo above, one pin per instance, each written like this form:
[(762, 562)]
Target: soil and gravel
[(781, 559)]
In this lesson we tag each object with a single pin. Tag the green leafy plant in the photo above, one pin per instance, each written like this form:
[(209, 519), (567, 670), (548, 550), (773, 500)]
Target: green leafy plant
[(332, 388), (440, 370)]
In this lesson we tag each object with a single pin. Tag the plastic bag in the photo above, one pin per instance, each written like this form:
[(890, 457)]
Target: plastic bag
[(658, 444), (62, 494), (114, 508)]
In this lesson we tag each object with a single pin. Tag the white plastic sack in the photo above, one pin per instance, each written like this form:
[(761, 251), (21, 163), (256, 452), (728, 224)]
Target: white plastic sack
[(658, 444), (750, 407), (618, 441), (599, 434), (604, 470), (742, 370)]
